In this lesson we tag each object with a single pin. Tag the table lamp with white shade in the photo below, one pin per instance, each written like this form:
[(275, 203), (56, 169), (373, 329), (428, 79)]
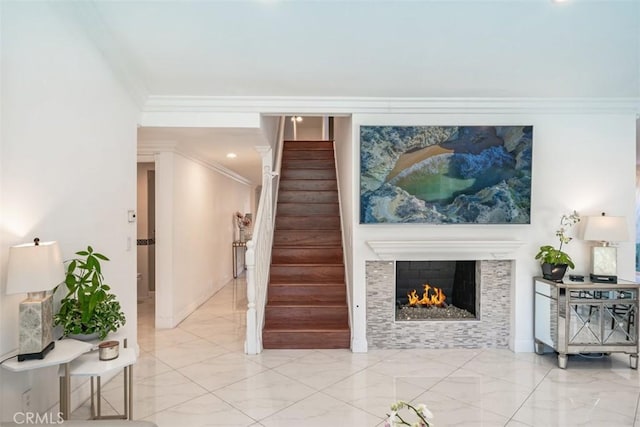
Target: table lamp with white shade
[(605, 229), (35, 269)]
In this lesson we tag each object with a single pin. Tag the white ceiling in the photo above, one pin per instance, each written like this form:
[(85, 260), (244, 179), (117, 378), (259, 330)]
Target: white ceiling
[(380, 48), (362, 48)]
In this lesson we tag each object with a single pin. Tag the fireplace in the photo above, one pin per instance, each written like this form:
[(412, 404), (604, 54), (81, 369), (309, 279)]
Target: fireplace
[(436, 290), (494, 279), (490, 328)]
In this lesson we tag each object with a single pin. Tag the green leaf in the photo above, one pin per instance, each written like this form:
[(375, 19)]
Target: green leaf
[(102, 257), (71, 267)]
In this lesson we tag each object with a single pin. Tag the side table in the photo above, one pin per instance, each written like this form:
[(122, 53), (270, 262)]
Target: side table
[(65, 351), (239, 248), (585, 317), (90, 365)]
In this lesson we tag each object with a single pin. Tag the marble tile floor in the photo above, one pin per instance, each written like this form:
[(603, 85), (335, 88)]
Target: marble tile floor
[(198, 375)]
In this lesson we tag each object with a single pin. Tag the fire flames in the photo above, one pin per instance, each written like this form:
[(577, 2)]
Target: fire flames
[(432, 296)]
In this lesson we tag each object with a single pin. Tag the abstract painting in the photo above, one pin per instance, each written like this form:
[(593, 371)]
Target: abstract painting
[(445, 174)]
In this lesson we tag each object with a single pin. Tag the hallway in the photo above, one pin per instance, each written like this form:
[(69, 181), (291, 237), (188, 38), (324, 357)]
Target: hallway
[(198, 375)]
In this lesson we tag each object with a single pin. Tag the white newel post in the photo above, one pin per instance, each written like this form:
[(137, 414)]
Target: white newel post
[(251, 344)]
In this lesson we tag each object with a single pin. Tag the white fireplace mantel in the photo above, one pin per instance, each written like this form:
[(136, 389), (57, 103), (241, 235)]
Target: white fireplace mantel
[(411, 250)]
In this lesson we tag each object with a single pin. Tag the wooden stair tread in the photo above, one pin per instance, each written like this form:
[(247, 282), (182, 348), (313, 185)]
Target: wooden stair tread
[(310, 247), (298, 304), (321, 286), (310, 284), (298, 146), (311, 264), (292, 329)]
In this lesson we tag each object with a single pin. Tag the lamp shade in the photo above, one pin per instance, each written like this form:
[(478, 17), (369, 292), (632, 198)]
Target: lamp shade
[(34, 267), (606, 229)]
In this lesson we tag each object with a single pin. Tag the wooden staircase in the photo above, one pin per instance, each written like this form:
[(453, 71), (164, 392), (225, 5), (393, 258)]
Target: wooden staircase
[(307, 302)]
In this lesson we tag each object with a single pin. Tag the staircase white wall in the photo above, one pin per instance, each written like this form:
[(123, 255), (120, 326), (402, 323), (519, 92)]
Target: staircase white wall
[(345, 161)]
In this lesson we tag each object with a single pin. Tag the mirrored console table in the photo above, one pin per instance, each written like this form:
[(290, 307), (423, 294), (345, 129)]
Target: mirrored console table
[(585, 317)]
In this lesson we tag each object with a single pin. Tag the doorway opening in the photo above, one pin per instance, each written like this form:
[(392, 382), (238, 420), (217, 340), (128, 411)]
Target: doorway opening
[(146, 239)]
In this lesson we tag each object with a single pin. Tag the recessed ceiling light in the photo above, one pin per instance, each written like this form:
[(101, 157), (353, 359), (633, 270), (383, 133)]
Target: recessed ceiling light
[(231, 155)]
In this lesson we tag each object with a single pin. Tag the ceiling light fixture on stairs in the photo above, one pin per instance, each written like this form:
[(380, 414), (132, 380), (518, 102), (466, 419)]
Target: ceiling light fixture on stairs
[(295, 120)]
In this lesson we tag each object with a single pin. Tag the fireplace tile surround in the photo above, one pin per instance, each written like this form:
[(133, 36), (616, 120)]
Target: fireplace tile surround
[(491, 330)]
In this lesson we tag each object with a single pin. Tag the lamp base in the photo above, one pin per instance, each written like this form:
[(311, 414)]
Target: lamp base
[(35, 330), (604, 261), (38, 355), (602, 278)]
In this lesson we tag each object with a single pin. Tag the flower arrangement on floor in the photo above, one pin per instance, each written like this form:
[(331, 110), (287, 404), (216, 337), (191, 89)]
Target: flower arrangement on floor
[(395, 419)]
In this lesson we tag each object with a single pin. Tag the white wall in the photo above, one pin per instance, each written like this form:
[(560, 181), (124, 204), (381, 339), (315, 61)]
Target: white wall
[(309, 129), (195, 208), (345, 152), (580, 161), (68, 166)]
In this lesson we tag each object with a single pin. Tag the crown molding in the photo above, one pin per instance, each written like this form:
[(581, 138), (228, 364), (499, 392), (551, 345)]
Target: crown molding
[(148, 149), (363, 105)]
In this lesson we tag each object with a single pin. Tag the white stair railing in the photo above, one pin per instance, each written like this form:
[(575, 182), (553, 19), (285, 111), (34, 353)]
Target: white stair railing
[(258, 255)]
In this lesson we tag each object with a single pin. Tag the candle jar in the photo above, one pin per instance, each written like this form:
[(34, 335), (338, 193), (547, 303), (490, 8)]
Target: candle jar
[(108, 350)]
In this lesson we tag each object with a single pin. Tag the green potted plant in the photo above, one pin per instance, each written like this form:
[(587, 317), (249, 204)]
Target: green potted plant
[(555, 261), (88, 310)]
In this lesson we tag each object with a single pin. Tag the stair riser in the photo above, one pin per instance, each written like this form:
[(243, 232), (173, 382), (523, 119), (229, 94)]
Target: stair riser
[(308, 164), (305, 339), (309, 185), (306, 316), (307, 155), (308, 209), (307, 223), (301, 255), (308, 174), (305, 324), (320, 294), (306, 274), (308, 145), (308, 196), (312, 238)]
